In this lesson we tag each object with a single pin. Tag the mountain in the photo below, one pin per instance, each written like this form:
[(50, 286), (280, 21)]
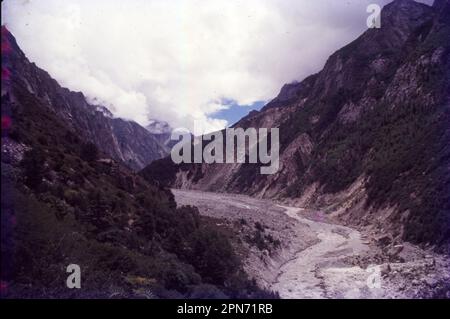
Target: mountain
[(122, 140), (365, 139), (161, 132), (64, 202), (158, 127)]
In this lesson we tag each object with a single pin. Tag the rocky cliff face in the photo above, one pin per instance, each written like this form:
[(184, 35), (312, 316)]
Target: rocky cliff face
[(123, 140), (366, 138)]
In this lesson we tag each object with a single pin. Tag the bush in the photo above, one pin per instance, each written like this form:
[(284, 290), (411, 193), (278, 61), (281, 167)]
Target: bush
[(212, 256), (206, 291), (89, 152), (33, 167)]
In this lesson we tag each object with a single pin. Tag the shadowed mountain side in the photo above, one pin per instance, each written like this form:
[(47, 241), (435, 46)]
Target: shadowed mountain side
[(123, 140)]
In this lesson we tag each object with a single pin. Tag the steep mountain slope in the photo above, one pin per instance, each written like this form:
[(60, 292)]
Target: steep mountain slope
[(63, 202), (161, 132), (366, 138), (123, 140)]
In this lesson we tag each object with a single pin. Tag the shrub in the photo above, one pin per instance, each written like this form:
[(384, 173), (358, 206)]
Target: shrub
[(212, 255), (33, 167), (206, 291), (89, 152)]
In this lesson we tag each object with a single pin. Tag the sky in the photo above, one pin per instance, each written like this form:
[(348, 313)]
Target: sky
[(188, 62)]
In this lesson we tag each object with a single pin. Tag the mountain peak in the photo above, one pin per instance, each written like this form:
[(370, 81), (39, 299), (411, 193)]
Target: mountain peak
[(9, 42), (158, 127), (439, 4), (124, 141), (5, 31), (405, 3), (408, 10)]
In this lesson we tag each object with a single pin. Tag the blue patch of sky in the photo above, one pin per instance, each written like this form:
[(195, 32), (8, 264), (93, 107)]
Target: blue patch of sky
[(234, 112)]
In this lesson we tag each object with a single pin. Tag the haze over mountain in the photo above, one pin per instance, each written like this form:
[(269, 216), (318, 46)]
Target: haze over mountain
[(123, 140), (364, 142), (182, 61), (366, 138), (66, 200)]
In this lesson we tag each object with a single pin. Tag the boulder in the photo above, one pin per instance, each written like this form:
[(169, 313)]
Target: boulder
[(384, 240)]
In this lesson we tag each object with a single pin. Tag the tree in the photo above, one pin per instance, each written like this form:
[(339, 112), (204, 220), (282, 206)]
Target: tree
[(213, 256), (89, 152), (33, 167)]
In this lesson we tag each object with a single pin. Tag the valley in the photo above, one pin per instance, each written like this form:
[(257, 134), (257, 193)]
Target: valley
[(352, 201), (319, 258)]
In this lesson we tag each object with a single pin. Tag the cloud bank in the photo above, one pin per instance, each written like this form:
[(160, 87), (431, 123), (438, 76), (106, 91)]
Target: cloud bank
[(179, 60)]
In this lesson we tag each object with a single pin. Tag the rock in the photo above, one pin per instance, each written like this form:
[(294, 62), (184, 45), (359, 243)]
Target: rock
[(395, 251), (431, 282), (430, 263), (385, 269), (384, 240), (400, 259), (398, 248)]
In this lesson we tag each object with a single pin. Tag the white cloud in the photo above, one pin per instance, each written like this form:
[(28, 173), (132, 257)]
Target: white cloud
[(174, 60)]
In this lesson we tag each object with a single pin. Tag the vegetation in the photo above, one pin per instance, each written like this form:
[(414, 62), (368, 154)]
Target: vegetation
[(402, 148), (89, 152), (261, 239), (126, 234), (33, 167)]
